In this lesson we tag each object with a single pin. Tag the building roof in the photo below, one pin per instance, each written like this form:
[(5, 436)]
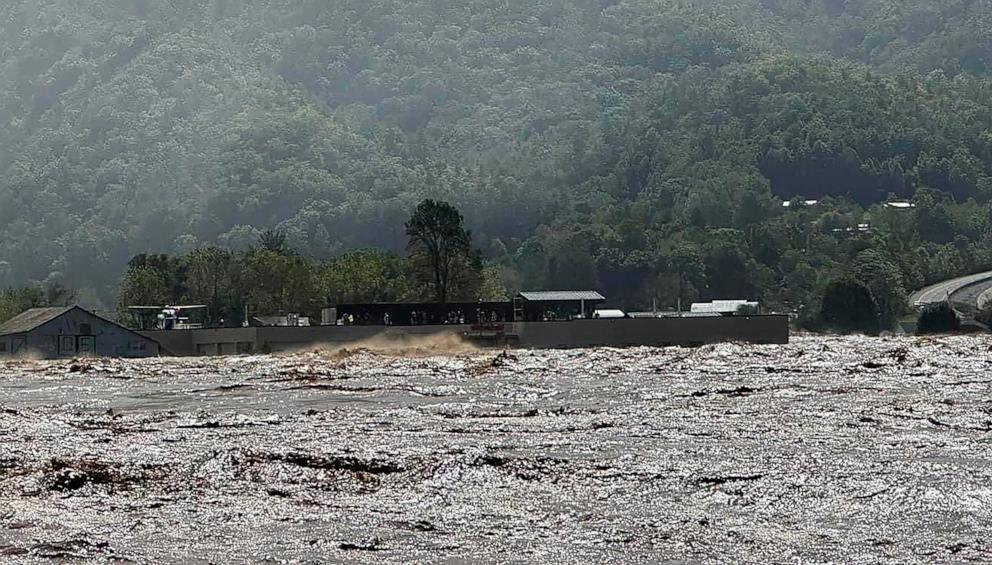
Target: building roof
[(562, 296), (788, 203), (280, 321), (609, 314), (31, 319), (722, 306), (671, 314)]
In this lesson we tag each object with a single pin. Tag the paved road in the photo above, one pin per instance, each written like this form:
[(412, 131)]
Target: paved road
[(963, 290), (985, 299), (970, 296)]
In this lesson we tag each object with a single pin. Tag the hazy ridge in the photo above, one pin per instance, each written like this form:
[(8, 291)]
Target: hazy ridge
[(600, 128)]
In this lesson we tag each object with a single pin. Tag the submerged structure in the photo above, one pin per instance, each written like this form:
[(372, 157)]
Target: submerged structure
[(535, 320), (66, 332)]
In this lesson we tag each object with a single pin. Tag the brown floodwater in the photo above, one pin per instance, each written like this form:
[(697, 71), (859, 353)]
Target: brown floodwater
[(839, 449)]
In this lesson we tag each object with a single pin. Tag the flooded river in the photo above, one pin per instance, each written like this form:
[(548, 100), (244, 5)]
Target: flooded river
[(849, 450)]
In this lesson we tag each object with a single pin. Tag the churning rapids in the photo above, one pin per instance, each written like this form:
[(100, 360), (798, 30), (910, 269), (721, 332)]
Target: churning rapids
[(854, 450)]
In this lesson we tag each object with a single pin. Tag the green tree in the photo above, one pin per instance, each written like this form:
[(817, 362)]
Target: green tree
[(685, 263), (493, 286), (170, 270), (848, 306), (14, 301), (278, 283), (729, 268), (933, 218), (884, 280), (571, 269), (938, 318), (364, 276), (274, 241), (212, 278), (440, 247), (141, 286)]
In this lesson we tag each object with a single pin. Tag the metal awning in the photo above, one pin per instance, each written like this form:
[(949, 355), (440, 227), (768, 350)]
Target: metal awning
[(563, 296)]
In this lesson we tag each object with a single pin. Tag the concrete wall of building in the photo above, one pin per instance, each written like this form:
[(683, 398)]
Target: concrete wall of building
[(9, 343), (655, 332), (179, 342), (79, 333), (226, 341), (203, 342), (536, 335)]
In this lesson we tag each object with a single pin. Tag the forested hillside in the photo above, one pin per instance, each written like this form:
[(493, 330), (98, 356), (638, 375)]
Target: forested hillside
[(643, 147)]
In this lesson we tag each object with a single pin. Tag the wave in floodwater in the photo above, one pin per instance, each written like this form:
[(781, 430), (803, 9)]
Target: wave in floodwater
[(400, 345)]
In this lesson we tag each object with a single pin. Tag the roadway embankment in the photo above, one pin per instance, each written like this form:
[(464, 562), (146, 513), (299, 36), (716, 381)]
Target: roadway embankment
[(962, 291)]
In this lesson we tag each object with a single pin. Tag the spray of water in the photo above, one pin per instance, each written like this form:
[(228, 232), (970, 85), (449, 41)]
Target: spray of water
[(395, 346)]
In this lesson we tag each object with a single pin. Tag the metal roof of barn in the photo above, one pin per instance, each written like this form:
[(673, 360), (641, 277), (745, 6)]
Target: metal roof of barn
[(562, 296), (31, 319)]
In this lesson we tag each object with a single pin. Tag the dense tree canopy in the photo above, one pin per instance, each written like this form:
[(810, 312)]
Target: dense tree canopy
[(938, 318), (14, 301), (848, 306), (641, 147), (272, 279), (441, 248)]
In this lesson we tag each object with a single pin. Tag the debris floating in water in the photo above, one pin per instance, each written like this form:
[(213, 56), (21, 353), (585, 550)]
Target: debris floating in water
[(829, 449)]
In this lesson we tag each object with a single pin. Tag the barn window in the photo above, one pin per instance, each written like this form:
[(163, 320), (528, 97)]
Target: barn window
[(3, 347), (86, 329)]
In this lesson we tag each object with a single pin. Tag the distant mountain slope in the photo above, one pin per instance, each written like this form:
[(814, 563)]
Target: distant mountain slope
[(129, 126), (159, 151), (947, 35)]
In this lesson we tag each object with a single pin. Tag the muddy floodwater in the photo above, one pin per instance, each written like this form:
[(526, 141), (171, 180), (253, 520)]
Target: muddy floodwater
[(850, 450)]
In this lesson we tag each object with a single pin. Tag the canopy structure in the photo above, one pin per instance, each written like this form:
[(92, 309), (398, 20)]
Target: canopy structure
[(553, 305), (563, 296)]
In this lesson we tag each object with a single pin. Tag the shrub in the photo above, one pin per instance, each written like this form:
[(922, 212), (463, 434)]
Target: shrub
[(938, 318), (849, 307), (748, 310)]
